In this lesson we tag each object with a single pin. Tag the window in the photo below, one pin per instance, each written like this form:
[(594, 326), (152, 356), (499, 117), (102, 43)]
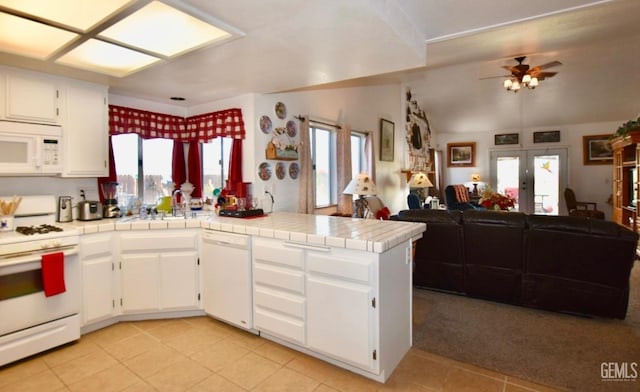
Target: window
[(144, 167), (215, 163), (323, 156), (357, 152)]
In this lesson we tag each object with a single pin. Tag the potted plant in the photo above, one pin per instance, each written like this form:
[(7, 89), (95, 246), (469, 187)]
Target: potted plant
[(624, 129)]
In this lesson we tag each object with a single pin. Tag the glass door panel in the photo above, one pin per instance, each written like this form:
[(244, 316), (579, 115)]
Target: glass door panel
[(535, 178)]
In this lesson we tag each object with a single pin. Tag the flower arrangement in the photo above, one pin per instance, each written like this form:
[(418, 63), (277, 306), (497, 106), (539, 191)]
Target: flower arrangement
[(282, 140), (495, 201)]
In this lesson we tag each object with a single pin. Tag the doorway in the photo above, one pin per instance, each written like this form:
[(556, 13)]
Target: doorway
[(536, 178)]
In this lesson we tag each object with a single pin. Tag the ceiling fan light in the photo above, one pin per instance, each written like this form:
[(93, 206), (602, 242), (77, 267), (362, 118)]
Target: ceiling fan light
[(526, 79), (533, 83), (515, 86), (507, 84)]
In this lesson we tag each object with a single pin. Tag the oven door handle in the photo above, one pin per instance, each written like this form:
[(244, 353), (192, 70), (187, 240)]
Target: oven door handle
[(33, 256)]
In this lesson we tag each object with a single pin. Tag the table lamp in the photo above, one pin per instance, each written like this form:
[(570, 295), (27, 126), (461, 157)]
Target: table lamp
[(475, 178), (419, 181), (362, 185)]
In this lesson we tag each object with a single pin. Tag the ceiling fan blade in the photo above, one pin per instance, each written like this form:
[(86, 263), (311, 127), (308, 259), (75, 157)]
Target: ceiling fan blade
[(543, 75), (547, 65), (495, 77)]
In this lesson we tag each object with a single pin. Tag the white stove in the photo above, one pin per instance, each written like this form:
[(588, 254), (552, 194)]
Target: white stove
[(34, 214), (38, 321)]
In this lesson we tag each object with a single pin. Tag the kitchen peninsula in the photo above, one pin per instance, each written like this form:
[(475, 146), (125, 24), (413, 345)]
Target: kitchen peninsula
[(335, 288)]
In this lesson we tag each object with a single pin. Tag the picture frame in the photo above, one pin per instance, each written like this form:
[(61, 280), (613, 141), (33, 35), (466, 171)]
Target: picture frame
[(506, 138), (596, 150), (387, 130), (546, 137), (461, 154)]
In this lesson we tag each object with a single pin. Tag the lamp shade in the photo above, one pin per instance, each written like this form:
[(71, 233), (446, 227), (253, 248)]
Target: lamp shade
[(475, 177), (361, 185), (419, 180)]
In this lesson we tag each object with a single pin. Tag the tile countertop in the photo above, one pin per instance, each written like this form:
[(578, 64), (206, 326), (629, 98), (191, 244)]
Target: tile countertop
[(359, 234)]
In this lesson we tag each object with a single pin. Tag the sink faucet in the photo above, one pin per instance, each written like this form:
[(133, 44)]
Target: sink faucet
[(174, 201)]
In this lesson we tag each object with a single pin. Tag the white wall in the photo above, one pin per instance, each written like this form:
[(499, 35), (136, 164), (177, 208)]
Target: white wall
[(590, 183), (361, 109)]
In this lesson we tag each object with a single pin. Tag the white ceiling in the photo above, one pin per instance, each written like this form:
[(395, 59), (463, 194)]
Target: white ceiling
[(439, 48)]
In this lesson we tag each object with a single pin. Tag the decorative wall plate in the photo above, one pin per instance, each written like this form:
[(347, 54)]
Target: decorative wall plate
[(265, 124), (281, 110), (292, 128), (264, 171), (281, 170), (294, 170)]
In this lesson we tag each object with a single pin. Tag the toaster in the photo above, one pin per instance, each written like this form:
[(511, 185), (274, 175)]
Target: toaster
[(89, 210)]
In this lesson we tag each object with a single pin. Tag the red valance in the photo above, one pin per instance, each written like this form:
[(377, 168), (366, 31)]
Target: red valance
[(149, 125)]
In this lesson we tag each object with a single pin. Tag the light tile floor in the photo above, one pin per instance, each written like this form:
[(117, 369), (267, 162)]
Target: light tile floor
[(202, 354)]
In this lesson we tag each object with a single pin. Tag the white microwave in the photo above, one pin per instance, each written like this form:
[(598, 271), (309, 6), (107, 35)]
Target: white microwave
[(30, 149)]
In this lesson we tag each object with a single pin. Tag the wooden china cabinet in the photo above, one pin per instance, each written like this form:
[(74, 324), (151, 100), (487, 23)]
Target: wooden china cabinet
[(626, 162)]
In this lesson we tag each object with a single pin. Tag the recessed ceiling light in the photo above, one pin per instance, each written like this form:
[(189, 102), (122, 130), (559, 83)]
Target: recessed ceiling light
[(32, 39), (115, 37), (177, 98), (78, 14), (107, 58), (164, 30)]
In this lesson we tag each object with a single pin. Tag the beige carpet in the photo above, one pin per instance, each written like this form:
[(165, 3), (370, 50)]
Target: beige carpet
[(545, 347)]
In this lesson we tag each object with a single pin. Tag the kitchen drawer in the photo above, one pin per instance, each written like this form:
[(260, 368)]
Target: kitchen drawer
[(281, 278), (96, 245), (328, 264), (148, 240), (280, 302), (284, 327), (272, 251)]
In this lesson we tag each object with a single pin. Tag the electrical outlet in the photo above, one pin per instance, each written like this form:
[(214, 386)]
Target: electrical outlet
[(81, 191)]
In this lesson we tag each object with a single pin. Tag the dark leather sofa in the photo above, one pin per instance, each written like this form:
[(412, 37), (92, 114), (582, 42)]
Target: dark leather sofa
[(558, 263)]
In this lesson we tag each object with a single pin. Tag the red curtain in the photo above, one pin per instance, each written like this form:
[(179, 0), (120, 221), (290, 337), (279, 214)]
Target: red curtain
[(223, 123), (178, 168), (235, 166), (112, 177), (151, 125), (195, 169)]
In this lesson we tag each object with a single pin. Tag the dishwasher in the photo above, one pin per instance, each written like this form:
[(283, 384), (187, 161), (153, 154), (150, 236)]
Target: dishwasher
[(226, 273)]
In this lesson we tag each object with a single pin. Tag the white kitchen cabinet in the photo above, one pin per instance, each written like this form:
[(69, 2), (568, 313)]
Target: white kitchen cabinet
[(140, 280), (159, 270), (99, 277), (351, 307), (179, 280), (341, 306), (31, 97), (278, 290), (86, 134)]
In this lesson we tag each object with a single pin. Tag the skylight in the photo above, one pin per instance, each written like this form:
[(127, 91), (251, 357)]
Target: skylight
[(115, 37)]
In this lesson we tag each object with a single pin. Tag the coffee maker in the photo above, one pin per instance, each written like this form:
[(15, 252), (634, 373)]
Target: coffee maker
[(110, 207)]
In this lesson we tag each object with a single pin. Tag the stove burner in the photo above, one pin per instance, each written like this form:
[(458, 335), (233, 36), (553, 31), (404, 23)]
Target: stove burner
[(42, 229)]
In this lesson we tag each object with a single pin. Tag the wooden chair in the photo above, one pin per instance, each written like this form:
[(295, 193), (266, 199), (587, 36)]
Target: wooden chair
[(583, 209)]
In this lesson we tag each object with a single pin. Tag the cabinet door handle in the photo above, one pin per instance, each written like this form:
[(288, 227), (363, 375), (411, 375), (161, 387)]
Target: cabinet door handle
[(301, 245)]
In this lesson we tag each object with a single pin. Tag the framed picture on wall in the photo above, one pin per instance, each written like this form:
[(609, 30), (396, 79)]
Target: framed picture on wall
[(386, 140), (461, 154), (506, 138), (546, 137), (596, 150)]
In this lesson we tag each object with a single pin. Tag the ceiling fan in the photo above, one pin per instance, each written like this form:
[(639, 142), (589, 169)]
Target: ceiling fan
[(524, 75)]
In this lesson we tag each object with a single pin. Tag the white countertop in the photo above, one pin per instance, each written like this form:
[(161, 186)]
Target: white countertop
[(350, 233)]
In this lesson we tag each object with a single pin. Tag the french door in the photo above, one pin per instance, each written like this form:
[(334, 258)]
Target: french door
[(535, 178)]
